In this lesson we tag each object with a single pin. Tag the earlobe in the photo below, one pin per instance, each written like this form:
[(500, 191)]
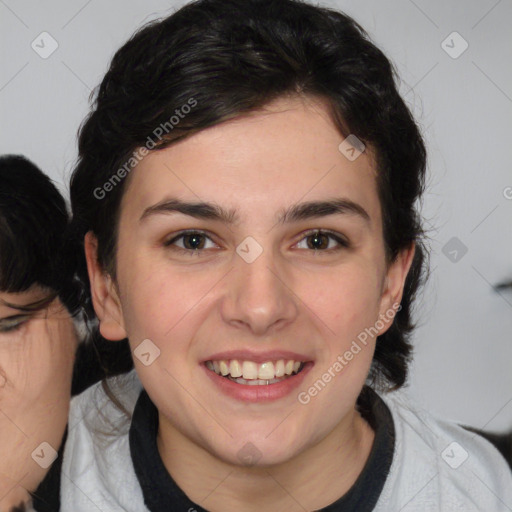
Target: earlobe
[(394, 285), (104, 294)]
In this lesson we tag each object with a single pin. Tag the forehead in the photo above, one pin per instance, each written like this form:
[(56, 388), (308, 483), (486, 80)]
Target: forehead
[(264, 161)]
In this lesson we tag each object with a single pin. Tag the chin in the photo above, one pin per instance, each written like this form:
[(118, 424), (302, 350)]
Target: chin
[(256, 451)]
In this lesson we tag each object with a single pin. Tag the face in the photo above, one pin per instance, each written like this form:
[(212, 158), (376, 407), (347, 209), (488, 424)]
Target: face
[(36, 362), (286, 264)]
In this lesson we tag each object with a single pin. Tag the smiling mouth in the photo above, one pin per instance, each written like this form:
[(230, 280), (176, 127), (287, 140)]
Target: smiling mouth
[(250, 373)]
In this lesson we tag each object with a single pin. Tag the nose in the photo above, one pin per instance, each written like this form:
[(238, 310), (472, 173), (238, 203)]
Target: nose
[(259, 296)]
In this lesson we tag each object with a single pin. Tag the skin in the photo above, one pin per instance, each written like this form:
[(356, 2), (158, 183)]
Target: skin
[(36, 363), (192, 305)]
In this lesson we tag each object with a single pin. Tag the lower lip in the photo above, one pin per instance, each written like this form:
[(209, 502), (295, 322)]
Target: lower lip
[(263, 393)]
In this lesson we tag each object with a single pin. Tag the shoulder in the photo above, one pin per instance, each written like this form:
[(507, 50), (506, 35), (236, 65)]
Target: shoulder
[(97, 454), (125, 388), (438, 465)]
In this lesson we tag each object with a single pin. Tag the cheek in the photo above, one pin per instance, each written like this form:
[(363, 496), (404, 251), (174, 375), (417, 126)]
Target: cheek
[(161, 315), (348, 304), (39, 372), (350, 309), (157, 299), (36, 396), (155, 304), (347, 300)]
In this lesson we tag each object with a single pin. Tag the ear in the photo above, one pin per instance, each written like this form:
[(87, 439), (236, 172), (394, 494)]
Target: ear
[(105, 298), (393, 286)]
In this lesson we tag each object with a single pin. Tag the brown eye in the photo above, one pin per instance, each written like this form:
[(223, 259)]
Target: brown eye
[(320, 241), (191, 242)]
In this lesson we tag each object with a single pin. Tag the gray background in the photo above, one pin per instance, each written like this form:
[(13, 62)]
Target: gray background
[(463, 347)]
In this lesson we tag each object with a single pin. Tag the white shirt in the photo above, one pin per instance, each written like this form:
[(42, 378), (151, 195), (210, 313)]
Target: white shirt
[(437, 466)]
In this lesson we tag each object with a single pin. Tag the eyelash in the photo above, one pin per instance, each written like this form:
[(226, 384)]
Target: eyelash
[(19, 321), (343, 244)]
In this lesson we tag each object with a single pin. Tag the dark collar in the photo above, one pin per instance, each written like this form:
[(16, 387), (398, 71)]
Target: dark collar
[(162, 493)]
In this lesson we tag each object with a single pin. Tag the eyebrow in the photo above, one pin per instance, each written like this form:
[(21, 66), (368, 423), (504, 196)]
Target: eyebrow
[(295, 213), (32, 306)]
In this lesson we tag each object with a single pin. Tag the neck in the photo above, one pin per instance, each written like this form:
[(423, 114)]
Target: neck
[(313, 479)]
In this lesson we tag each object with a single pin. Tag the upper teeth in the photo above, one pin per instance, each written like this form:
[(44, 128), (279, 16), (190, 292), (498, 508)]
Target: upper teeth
[(251, 370)]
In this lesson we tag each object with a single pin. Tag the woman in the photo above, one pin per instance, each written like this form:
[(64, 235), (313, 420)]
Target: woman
[(37, 334), (245, 194)]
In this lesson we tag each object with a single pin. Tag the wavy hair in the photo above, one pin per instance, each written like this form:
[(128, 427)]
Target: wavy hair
[(234, 57)]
